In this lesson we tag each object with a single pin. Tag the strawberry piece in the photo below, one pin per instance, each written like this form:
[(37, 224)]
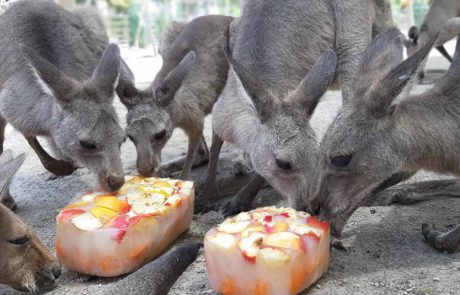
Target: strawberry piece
[(285, 214), (311, 220), (268, 218)]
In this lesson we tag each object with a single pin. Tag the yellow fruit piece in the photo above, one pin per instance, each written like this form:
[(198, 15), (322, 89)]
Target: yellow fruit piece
[(282, 240), (103, 214), (112, 203), (277, 227), (161, 183), (272, 257), (75, 205)]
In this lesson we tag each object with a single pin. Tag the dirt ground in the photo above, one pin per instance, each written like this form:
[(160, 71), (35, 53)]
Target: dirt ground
[(386, 253)]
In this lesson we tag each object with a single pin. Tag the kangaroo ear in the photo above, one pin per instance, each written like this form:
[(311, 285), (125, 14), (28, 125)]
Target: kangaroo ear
[(262, 99), (165, 92), (60, 84), (382, 55), (381, 95), (9, 167), (105, 76), (316, 83), (126, 91)]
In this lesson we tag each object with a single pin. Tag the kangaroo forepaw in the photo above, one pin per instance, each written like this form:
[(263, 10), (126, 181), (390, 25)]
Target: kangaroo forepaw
[(10, 203), (236, 206), (60, 168), (444, 241)]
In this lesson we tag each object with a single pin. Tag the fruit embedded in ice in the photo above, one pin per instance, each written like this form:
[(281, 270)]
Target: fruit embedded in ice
[(86, 222), (272, 257), (274, 227), (303, 229), (103, 214), (67, 214), (232, 227), (245, 233), (282, 240), (149, 209), (161, 183), (250, 246), (224, 241), (311, 220), (112, 203), (174, 201), (146, 199), (244, 216)]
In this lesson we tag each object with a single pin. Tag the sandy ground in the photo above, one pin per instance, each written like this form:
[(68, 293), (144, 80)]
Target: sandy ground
[(386, 253)]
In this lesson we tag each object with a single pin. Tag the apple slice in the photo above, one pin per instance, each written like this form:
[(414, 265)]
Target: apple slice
[(272, 257), (224, 241), (67, 214), (174, 201), (149, 209), (112, 203), (233, 227), (166, 191), (274, 227), (86, 222), (282, 240), (148, 199), (245, 233), (304, 229), (250, 246), (311, 220), (244, 216)]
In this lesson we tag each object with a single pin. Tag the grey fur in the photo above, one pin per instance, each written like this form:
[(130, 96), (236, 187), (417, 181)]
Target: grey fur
[(151, 113), (442, 22), (278, 42), (386, 137), (50, 86)]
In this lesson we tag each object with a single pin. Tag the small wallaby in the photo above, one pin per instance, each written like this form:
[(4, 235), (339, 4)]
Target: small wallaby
[(57, 80), (442, 22), (267, 103), (184, 104), (376, 141), (26, 264)]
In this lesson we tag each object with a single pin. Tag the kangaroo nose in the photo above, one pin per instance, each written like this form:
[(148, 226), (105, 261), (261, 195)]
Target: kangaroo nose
[(57, 271), (145, 170), (115, 182), (315, 206)]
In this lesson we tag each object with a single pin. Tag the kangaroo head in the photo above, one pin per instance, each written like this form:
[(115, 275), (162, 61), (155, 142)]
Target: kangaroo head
[(87, 131), (149, 124), (285, 150), (26, 263), (359, 151)]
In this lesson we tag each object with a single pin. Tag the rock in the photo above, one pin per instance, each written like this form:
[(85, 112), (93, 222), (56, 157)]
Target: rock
[(435, 279)]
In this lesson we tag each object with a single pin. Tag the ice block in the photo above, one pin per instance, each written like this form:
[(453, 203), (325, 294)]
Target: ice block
[(112, 234), (267, 251)]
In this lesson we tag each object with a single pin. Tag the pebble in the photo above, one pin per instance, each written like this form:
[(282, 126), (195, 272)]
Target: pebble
[(436, 279), (373, 211), (318, 286)]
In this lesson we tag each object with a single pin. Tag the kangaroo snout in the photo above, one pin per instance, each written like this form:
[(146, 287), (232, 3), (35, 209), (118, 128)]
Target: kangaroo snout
[(114, 182), (47, 279)]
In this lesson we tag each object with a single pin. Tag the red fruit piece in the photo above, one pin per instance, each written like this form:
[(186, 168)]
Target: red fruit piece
[(268, 218), (66, 215), (312, 221), (136, 219), (285, 214)]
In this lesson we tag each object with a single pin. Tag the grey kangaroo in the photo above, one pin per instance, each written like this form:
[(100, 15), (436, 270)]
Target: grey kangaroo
[(26, 264), (275, 85), (57, 81), (442, 22), (152, 119), (376, 141)]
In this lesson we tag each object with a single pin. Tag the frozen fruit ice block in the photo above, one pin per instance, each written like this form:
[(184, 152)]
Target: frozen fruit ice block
[(269, 250), (112, 234)]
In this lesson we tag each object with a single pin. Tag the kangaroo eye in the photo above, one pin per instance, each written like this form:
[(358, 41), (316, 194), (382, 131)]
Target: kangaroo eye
[(283, 164), (341, 161), (87, 145), (20, 241), (160, 135)]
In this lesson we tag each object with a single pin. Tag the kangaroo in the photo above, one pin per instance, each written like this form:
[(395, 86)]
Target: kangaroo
[(54, 83), (442, 22), (376, 141), (151, 121), (26, 264), (265, 107)]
